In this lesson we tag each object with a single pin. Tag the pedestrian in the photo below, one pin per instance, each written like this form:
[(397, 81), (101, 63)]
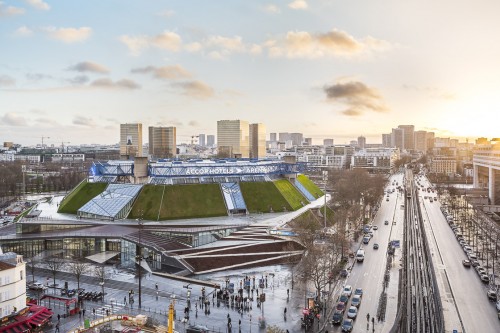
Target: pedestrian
[(107, 312), (57, 328), (83, 313), (288, 292), (156, 286), (239, 323), (80, 313), (58, 317), (125, 300)]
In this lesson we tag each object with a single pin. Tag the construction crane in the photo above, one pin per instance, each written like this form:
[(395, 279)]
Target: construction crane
[(194, 138), (62, 145), (44, 137)]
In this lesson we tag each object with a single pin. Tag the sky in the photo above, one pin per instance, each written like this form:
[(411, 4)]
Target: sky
[(72, 71)]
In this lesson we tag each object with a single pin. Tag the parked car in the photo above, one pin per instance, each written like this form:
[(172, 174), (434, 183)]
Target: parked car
[(352, 312), (485, 278), (375, 227), (356, 301), (358, 291), (344, 273), (347, 291), (337, 318), (340, 307), (466, 263), (492, 295), (344, 299), (36, 286), (347, 325)]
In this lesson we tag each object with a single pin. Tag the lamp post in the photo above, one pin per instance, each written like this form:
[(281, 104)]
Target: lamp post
[(325, 179), (139, 259)]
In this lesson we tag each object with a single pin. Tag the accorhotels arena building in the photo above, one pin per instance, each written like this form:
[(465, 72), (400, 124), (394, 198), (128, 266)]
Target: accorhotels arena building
[(100, 229)]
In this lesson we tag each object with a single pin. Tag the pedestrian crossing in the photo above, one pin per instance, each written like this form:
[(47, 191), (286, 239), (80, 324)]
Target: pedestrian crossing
[(107, 309)]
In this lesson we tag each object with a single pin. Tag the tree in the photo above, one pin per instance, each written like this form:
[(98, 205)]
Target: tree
[(100, 273), (31, 267), (55, 266), (78, 268), (274, 329)]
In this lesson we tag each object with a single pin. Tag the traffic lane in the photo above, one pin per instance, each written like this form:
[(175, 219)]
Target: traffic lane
[(476, 312)]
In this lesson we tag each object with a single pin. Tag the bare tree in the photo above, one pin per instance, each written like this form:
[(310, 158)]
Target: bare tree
[(31, 267), (318, 267), (55, 265), (274, 329), (78, 268), (100, 273)]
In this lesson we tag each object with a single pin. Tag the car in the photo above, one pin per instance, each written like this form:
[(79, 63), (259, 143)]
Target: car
[(358, 291), (472, 256), (344, 299), (340, 307), (467, 248), (337, 318), (387, 199), (197, 329), (492, 295), (466, 263), (485, 278), (352, 312), (375, 227), (37, 286), (347, 325), (356, 301), (386, 222), (366, 240), (344, 273), (481, 270), (347, 291), (474, 263), (375, 246)]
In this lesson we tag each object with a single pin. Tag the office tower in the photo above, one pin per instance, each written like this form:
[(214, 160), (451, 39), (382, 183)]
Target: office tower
[(162, 142), (257, 140), (430, 140), (130, 140), (233, 138), (386, 140), (327, 142), (272, 137), (397, 138), (210, 140), (201, 140), (297, 139), (284, 137), (361, 142), (308, 141), (421, 141), (408, 136)]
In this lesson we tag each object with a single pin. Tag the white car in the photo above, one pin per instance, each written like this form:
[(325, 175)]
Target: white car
[(347, 291), (352, 313), (37, 286)]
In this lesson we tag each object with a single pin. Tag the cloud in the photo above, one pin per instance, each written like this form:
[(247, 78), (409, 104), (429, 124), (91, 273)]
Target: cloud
[(38, 4), (166, 40), (298, 4), (174, 72), (68, 35), (196, 89), (224, 46), (87, 66), (193, 123), (193, 47), (271, 8), (13, 119), (38, 76), (79, 80), (166, 13), (7, 81), (83, 121), (10, 10), (432, 92), (23, 31), (120, 84), (302, 44), (356, 96)]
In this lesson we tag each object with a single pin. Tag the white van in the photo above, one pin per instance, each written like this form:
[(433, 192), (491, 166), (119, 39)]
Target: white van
[(360, 255)]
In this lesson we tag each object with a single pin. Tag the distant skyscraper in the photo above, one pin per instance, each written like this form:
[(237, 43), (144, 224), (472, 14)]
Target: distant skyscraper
[(408, 136), (297, 139), (361, 142), (284, 137), (257, 140), (308, 141), (162, 142), (272, 137), (130, 140), (201, 140), (397, 138), (386, 140), (327, 142), (421, 141), (233, 138), (430, 140), (210, 140)]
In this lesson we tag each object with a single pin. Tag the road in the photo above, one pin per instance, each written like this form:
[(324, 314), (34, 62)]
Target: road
[(467, 293)]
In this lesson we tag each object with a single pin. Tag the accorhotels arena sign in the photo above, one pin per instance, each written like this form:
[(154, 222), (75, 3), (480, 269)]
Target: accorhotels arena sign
[(227, 170)]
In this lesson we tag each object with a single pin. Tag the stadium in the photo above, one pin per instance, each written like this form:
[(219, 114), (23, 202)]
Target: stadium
[(182, 217)]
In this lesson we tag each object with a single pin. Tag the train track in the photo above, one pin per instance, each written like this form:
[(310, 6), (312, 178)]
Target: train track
[(420, 304)]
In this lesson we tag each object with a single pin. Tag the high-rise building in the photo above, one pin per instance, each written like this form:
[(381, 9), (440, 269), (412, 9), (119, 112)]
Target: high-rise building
[(284, 137), (308, 141), (297, 139), (361, 142), (421, 141), (408, 136), (130, 140), (210, 140), (386, 140), (327, 142), (233, 138), (272, 137), (430, 140), (257, 140), (397, 138), (162, 142), (201, 140)]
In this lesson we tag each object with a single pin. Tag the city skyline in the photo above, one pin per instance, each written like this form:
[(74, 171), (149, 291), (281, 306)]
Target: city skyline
[(75, 71)]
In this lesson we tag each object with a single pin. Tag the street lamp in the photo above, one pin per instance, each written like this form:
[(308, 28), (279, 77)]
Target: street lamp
[(139, 258), (325, 179)]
